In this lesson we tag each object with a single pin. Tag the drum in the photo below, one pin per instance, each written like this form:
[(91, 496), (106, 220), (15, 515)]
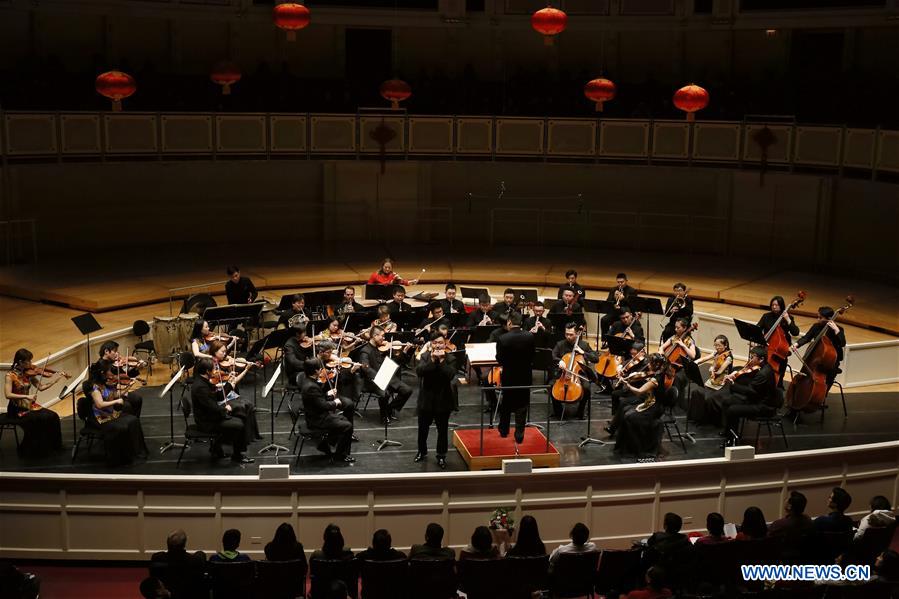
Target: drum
[(186, 324), (165, 338)]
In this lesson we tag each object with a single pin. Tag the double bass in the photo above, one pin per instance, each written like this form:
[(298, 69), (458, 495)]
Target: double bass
[(809, 387), (569, 388), (778, 347)]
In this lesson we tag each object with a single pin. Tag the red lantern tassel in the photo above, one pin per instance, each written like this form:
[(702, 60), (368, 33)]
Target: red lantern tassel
[(117, 106)]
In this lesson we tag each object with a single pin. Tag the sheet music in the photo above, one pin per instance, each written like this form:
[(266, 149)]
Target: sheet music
[(481, 353), (74, 384), (271, 381), (386, 372), (172, 382)]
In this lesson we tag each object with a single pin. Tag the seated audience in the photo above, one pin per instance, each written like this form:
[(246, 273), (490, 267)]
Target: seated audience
[(580, 543), (433, 545), (529, 543), (792, 527), (481, 546), (836, 521), (381, 549), (753, 526), (654, 589), (332, 547), (181, 572), (714, 522), (670, 549), (881, 516), (284, 546), (336, 590), (152, 588), (229, 552), (16, 584)]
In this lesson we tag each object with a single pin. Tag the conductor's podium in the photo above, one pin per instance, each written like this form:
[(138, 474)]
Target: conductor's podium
[(497, 449)]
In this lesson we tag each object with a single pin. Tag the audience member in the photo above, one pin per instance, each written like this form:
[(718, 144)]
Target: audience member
[(654, 589), (580, 543), (332, 547), (836, 521), (181, 572), (528, 543), (284, 546), (336, 590), (753, 526), (433, 545), (793, 526), (669, 549), (381, 548), (229, 552), (481, 546), (881, 516), (714, 523), (152, 588)]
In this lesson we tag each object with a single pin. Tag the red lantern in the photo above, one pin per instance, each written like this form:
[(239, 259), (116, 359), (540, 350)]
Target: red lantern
[(226, 74), (549, 21), (291, 17), (691, 98), (599, 90), (395, 90), (116, 86)]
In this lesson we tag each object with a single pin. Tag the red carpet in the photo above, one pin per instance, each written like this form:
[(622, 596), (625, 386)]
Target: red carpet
[(494, 445), (79, 582)]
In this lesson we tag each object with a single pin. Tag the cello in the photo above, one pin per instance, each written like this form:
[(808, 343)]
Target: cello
[(607, 365), (568, 388), (809, 387), (676, 353), (778, 347)]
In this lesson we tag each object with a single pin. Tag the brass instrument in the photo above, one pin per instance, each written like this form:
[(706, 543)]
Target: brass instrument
[(297, 320), (619, 295), (676, 305)]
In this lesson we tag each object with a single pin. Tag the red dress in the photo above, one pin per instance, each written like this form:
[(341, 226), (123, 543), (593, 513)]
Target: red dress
[(378, 278)]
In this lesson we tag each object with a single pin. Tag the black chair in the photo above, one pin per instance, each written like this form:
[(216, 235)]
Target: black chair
[(872, 542), (842, 398), (574, 574), (186, 360), (432, 579), (383, 579), (281, 580), (527, 575), (668, 418), (769, 419), (8, 421), (90, 430), (484, 578), (618, 569), (232, 580), (304, 433), (323, 571), (139, 329), (717, 567), (192, 431), (184, 579)]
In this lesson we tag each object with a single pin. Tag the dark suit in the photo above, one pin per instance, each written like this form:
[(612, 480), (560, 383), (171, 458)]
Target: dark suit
[(504, 309), (294, 358), (321, 414), (344, 307), (606, 321), (752, 394), (435, 400), (395, 306), (544, 337), (636, 329), (579, 292), (182, 573), (685, 311), (290, 313), (213, 418), (515, 353), (371, 359), (242, 292), (457, 306), (475, 318)]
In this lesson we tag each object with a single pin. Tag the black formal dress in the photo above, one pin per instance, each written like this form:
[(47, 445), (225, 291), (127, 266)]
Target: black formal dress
[(323, 413), (837, 339), (242, 292), (371, 359), (435, 400), (766, 322), (212, 417), (607, 319), (638, 432), (579, 292), (685, 311), (515, 354), (590, 356), (123, 436), (41, 427)]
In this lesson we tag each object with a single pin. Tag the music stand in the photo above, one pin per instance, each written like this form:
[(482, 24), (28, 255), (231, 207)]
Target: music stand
[(72, 388), (474, 292), (87, 324), (481, 334), (406, 320), (233, 313), (591, 306), (752, 333), (169, 389), (560, 320), (646, 305), (691, 370), (525, 295), (272, 446), (381, 293), (382, 381)]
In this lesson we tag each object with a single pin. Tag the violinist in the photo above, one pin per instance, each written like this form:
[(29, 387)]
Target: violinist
[(751, 391), (563, 347), (398, 304), (382, 320), (386, 276), (436, 396), (296, 313), (297, 350), (571, 283), (507, 305), (779, 307), (202, 336), (348, 304), (323, 410), (371, 358), (682, 340), (334, 333), (339, 375), (450, 304), (213, 416), (515, 354), (539, 325), (126, 370), (635, 364), (569, 304), (238, 289), (226, 376), (123, 437), (619, 296), (721, 362), (636, 421), (678, 306), (835, 333), (484, 315), (43, 432), (627, 326)]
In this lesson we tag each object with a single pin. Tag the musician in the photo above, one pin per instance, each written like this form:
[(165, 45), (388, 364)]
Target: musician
[(677, 306), (515, 354), (226, 375), (240, 290), (569, 304), (123, 437), (501, 320), (434, 319), (347, 390), (201, 337), (539, 325), (349, 303), (297, 350), (619, 295), (683, 340), (484, 315), (451, 305), (563, 347), (507, 305), (386, 276), (324, 411), (382, 320), (297, 311), (214, 417), (125, 368), (436, 399), (398, 304), (637, 421), (627, 326), (835, 333), (42, 428), (721, 362), (749, 392), (334, 333), (571, 283), (787, 325), (371, 358), (635, 363)]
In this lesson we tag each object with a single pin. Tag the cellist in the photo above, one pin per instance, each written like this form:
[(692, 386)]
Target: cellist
[(836, 335), (779, 306), (563, 347)]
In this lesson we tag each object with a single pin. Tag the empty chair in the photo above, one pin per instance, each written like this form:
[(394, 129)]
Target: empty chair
[(526, 575), (232, 580), (574, 574), (323, 571), (618, 569), (432, 579), (484, 578), (383, 579), (281, 580)]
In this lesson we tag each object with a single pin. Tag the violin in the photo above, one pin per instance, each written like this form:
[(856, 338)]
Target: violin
[(607, 365), (43, 371), (395, 346), (733, 376), (568, 387), (326, 375), (630, 364), (717, 374), (778, 347)]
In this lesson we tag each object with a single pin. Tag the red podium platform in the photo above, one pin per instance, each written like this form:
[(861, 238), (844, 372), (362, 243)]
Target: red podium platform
[(497, 449)]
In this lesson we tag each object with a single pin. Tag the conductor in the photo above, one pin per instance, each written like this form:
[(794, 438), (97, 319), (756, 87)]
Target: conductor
[(515, 354)]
